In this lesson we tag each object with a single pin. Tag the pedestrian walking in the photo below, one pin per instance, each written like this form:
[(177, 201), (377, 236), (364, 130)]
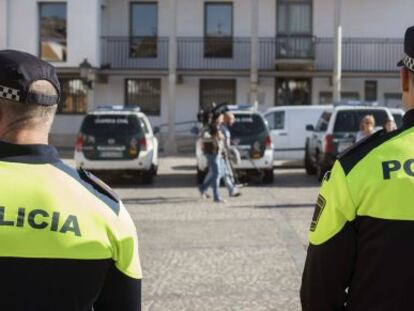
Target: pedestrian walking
[(226, 169), (213, 148), (361, 254), (67, 241)]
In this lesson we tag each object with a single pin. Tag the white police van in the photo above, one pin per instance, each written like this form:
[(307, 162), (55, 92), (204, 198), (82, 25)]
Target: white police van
[(117, 139)]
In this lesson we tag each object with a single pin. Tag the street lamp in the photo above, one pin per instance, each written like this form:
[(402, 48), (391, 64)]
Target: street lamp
[(86, 73)]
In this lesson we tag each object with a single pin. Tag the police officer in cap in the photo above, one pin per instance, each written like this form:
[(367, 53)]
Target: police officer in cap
[(361, 251), (67, 241)]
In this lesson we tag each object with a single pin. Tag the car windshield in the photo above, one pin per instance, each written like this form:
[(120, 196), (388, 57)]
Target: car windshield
[(247, 125), (349, 120), (104, 125)]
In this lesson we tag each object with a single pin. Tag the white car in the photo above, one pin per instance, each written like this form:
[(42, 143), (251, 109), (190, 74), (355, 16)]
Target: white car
[(118, 140), (287, 126), (398, 115), (251, 138), (336, 131)]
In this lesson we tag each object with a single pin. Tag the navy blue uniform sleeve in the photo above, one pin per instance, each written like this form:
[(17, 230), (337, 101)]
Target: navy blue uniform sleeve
[(120, 292), (332, 246), (328, 272)]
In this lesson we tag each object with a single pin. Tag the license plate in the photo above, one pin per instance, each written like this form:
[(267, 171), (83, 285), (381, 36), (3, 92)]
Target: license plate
[(343, 146), (111, 154)]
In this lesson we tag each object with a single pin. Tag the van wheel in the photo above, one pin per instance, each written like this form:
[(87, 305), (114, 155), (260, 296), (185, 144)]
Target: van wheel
[(268, 176), (309, 167), (320, 171), (148, 177), (200, 176)]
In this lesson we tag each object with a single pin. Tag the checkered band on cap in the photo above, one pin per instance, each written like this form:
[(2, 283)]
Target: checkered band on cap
[(408, 62), (9, 93)]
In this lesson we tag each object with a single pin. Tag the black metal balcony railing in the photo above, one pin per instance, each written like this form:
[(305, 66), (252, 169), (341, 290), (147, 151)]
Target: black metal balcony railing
[(198, 53), (285, 48), (146, 53), (213, 53), (297, 47), (360, 54)]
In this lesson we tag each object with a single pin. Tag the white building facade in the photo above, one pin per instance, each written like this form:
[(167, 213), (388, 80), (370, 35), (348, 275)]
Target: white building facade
[(173, 57)]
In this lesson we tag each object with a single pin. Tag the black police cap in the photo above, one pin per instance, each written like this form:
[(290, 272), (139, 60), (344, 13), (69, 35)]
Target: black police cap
[(18, 70), (408, 58)]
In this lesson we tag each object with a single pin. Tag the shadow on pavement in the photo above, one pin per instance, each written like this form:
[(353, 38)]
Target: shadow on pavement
[(296, 178), (305, 205), (160, 181), (158, 200), (191, 168)]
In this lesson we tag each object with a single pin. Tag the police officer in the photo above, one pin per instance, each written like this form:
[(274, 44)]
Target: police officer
[(361, 251), (67, 241)]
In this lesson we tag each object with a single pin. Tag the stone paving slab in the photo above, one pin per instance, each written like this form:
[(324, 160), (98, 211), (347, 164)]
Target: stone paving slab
[(247, 254)]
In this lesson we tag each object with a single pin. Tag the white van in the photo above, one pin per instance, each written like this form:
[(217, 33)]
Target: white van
[(288, 129)]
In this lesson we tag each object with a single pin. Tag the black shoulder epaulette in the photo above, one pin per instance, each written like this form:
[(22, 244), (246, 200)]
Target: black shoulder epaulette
[(360, 143), (98, 184), (353, 155)]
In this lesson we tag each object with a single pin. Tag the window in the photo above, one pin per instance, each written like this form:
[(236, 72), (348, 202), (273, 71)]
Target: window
[(111, 124), (52, 26), (276, 120), (144, 30), (327, 97), (294, 17), (371, 91), (293, 92), (217, 91), (323, 122), (349, 121), (145, 93), (247, 125), (144, 125), (218, 30), (74, 100), (294, 29)]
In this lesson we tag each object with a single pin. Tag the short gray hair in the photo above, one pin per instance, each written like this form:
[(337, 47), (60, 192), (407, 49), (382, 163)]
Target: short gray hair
[(28, 114)]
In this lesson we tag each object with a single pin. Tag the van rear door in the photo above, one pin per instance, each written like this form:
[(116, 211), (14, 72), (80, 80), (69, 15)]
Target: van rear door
[(278, 131), (296, 127)]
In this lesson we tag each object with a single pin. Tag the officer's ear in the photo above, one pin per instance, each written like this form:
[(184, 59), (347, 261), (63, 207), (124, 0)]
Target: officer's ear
[(405, 80)]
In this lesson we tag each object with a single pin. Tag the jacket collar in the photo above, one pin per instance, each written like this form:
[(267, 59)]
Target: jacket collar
[(408, 119), (28, 153)]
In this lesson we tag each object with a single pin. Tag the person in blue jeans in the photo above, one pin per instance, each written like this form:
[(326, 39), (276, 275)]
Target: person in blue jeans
[(214, 151), (228, 121)]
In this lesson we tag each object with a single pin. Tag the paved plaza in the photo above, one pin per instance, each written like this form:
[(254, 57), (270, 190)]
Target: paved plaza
[(247, 254)]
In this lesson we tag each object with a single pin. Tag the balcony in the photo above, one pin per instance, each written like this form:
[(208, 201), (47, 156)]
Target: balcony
[(213, 53), (196, 54), (295, 52), (289, 53), (128, 53), (360, 54)]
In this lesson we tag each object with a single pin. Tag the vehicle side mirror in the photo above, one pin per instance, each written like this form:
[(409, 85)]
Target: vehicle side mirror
[(194, 130), (310, 128), (157, 130)]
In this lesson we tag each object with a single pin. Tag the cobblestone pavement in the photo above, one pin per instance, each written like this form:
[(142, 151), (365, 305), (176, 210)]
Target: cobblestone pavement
[(247, 254)]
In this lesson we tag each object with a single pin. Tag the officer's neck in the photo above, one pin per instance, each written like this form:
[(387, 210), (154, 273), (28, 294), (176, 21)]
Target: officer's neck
[(25, 137)]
